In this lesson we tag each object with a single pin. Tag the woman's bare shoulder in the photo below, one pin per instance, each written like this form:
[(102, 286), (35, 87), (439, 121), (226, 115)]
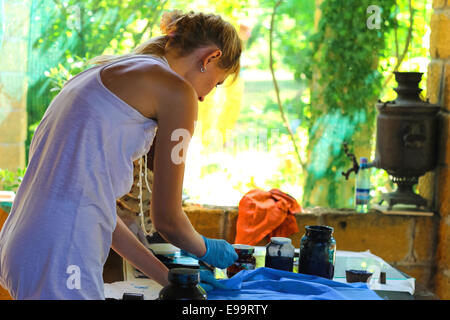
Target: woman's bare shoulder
[(165, 82), (147, 86)]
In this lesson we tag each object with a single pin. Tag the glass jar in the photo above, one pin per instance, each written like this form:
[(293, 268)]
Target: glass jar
[(317, 252), (183, 285), (245, 261), (280, 254)]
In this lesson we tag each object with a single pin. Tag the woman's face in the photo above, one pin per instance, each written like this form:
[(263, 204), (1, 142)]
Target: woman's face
[(205, 82), (212, 75)]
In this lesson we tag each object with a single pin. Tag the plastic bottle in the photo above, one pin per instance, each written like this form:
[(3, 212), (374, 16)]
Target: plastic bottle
[(362, 189), (183, 285)]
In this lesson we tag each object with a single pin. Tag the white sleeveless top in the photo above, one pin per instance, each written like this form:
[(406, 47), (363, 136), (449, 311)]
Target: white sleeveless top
[(58, 234)]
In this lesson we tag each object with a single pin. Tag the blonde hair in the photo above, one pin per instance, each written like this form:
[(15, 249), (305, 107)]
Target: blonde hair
[(186, 32)]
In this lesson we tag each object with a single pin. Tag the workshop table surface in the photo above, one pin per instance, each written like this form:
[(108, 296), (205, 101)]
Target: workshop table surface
[(399, 286)]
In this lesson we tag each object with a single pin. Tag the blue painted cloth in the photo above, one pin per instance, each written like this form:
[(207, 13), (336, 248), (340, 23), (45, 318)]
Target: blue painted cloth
[(272, 284)]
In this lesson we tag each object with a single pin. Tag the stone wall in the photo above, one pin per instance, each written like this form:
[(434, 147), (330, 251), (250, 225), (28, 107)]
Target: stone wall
[(438, 182), (13, 83)]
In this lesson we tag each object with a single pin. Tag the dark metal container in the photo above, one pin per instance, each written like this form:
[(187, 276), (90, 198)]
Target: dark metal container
[(406, 130), (317, 252), (406, 140)]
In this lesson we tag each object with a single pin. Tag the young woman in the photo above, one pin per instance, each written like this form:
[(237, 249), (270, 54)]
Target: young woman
[(63, 220)]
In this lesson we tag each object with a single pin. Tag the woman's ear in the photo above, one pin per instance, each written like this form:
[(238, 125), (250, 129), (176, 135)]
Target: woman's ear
[(215, 55)]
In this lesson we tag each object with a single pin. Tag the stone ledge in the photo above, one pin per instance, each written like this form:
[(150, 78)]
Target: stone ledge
[(208, 222)]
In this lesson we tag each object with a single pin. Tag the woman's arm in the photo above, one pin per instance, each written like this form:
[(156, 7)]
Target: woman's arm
[(125, 243), (176, 114)]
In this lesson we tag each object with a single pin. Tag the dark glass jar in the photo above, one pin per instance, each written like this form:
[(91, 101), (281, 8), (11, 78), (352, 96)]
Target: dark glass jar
[(317, 252), (245, 261), (280, 254), (183, 285)]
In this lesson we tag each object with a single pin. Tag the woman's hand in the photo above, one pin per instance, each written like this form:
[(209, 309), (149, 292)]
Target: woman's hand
[(219, 253)]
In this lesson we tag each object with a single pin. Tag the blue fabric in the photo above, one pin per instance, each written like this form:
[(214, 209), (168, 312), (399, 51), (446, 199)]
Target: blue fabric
[(272, 284), (208, 282)]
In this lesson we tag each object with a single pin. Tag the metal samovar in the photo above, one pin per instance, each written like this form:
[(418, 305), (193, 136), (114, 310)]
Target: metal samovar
[(406, 140)]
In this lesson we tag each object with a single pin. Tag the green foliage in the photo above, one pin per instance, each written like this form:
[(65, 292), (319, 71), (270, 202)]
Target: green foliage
[(343, 69), (59, 75), (339, 102), (10, 180), (87, 28), (65, 33)]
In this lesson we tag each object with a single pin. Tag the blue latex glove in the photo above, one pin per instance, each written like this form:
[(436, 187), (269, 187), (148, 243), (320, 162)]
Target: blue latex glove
[(219, 253), (207, 280)]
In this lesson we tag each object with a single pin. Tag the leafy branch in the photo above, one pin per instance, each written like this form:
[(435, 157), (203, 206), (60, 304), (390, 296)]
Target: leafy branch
[(407, 44), (275, 83)]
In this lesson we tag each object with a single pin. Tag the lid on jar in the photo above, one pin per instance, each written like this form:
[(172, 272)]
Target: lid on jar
[(184, 276), (280, 240), (243, 249), (319, 232)]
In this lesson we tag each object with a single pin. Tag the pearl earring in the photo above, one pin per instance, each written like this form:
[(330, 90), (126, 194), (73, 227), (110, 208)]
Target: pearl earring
[(202, 69)]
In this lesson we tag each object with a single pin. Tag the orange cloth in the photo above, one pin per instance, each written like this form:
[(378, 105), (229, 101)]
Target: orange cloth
[(263, 213), (4, 294)]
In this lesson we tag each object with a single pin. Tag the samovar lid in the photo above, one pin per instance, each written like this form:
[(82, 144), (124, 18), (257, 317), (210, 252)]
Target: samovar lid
[(408, 96)]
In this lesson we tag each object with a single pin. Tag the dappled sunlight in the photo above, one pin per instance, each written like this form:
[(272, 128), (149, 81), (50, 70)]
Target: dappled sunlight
[(230, 176)]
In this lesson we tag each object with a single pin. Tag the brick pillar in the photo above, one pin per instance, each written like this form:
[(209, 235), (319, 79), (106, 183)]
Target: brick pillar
[(438, 88), (13, 83)]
